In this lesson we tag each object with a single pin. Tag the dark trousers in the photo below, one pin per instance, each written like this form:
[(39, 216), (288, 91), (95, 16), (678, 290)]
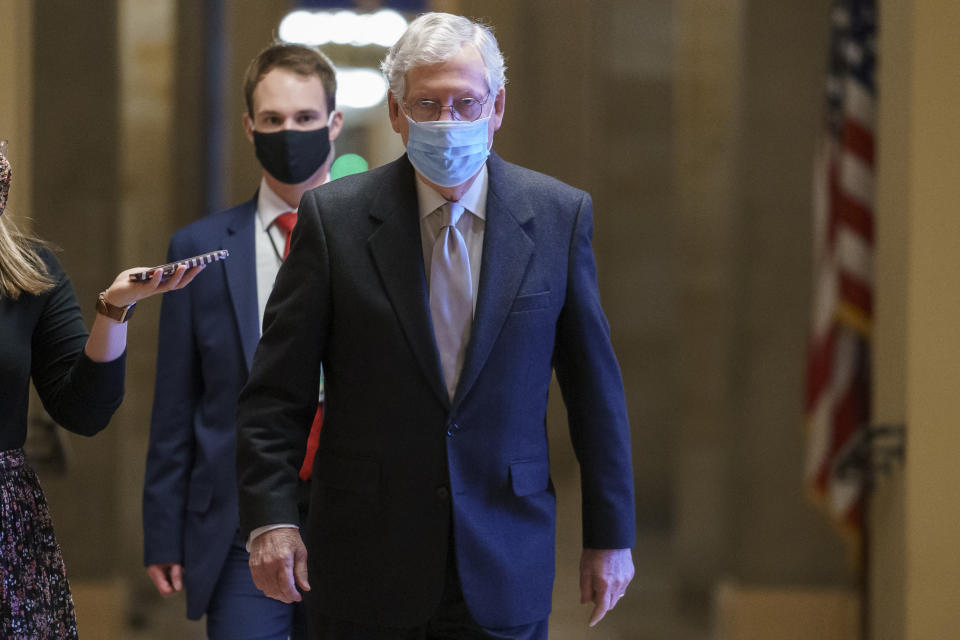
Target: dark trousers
[(451, 621)]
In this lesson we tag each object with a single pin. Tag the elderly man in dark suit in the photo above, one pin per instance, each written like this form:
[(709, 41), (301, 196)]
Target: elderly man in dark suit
[(439, 293)]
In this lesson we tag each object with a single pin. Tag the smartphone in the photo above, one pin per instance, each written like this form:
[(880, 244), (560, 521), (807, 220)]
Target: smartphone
[(168, 269)]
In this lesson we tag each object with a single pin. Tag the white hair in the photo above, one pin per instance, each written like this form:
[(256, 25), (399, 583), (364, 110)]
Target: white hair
[(436, 37)]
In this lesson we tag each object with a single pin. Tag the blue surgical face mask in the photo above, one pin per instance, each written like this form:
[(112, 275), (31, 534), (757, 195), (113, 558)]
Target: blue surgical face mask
[(448, 152)]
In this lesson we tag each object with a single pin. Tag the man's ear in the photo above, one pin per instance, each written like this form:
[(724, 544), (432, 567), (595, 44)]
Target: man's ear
[(248, 126), (499, 105), (393, 108), (336, 124)]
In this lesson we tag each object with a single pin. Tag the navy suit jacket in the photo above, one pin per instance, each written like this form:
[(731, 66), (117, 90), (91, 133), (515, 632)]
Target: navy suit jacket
[(398, 462), (208, 333)]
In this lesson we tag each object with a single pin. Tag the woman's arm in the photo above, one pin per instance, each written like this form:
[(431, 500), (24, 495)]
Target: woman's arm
[(108, 337)]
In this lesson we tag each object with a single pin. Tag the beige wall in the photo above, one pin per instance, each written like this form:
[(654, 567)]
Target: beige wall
[(779, 537), (145, 32), (16, 91), (707, 99), (915, 582), (250, 26), (887, 548), (75, 205), (932, 183)]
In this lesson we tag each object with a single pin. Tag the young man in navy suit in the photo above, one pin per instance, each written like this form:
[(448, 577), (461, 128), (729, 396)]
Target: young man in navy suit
[(207, 340), (439, 293)]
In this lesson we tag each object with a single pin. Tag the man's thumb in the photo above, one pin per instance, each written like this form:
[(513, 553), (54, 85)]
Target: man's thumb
[(300, 569)]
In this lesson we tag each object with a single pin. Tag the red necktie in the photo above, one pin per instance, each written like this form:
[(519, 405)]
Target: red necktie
[(313, 440), (286, 222)]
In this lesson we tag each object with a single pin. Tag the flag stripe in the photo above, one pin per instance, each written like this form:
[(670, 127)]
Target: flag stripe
[(854, 255), (858, 102), (855, 216), (819, 365), (856, 179), (855, 293), (858, 140)]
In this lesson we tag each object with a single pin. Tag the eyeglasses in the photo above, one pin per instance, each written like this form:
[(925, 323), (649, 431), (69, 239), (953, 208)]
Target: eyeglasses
[(466, 109)]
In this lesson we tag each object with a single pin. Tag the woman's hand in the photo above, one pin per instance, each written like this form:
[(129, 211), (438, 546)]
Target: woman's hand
[(108, 337), (124, 292)]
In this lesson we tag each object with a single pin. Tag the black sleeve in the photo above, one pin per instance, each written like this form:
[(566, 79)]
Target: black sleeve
[(80, 394), (277, 404)]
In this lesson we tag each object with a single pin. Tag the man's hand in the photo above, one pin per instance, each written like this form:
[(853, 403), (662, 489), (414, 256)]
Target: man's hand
[(167, 577), (278, 564), (604, 576)]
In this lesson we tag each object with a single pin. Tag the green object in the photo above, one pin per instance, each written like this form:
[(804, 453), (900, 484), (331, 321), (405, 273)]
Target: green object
[(346, 164)]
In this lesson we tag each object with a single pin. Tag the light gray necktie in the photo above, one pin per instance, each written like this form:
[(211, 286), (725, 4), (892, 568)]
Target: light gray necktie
[(451, 295)]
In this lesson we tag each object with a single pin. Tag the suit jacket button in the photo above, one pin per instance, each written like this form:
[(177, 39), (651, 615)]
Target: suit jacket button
[(452, 428), (443, 493)]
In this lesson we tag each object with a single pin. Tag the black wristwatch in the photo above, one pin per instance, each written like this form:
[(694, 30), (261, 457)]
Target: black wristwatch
[(120, 314)]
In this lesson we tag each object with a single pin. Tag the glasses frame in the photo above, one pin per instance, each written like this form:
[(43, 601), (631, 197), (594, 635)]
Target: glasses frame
[(453, 112)]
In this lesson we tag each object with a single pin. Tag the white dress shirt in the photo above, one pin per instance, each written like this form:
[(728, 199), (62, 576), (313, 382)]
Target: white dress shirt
[(269, 241)]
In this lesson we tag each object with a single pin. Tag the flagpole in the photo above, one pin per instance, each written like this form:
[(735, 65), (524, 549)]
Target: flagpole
[(865, 542)]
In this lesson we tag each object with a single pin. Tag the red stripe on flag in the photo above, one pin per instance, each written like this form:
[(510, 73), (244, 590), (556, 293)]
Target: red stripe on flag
[(854, 515), (819, 364), (858, 140), (854, 292), (846, 420), (855, 216)]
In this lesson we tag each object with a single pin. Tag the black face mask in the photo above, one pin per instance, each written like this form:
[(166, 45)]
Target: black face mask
[(292, 156)]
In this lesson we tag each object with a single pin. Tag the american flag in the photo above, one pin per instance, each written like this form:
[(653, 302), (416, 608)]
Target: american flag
[(838, 358)]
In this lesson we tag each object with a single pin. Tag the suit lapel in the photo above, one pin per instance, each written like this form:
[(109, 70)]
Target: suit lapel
[(241, 270), (398, 256), (507, 249)]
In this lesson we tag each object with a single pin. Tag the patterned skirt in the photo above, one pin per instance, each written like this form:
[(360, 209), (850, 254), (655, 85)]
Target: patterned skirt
[(35, 600)]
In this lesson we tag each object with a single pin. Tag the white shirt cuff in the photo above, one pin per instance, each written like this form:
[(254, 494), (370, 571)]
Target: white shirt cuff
[(262, 530)]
